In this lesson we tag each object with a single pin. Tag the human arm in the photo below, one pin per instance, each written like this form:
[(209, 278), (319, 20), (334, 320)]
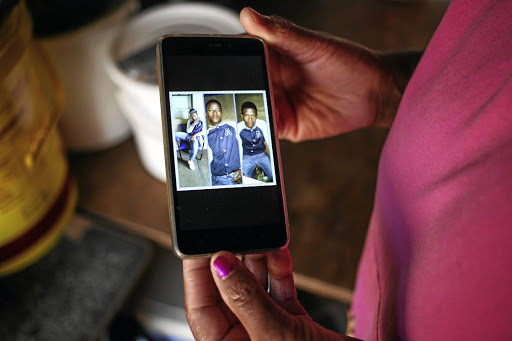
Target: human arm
[(236, 154), (264, 129), (324, 85), (190, 125), (196, 129), (401, 65), (227, 299), (238, 176)]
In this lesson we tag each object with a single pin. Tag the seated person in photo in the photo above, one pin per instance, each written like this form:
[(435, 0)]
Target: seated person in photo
[(254, 139), (194, 131), (222, 148)]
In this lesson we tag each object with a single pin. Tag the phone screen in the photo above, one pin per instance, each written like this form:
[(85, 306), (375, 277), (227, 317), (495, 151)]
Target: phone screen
[(218, 116)]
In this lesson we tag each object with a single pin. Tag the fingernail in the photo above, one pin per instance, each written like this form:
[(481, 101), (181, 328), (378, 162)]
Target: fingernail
[(256, 16), (223, 266)]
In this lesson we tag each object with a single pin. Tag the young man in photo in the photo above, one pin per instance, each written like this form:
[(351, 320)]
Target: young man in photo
[(192, 136), (254, 143), (222, 147)]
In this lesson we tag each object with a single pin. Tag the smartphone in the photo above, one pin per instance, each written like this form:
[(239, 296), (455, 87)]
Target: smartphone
[(224, 176)]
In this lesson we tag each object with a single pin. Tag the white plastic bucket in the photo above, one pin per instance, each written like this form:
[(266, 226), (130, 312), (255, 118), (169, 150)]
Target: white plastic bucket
[(91, 118), (140, 101)]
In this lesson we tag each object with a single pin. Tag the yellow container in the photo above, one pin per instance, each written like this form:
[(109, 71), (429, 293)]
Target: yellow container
[(37, 193)]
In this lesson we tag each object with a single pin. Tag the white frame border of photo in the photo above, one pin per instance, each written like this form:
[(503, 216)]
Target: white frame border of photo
[(205, 125)]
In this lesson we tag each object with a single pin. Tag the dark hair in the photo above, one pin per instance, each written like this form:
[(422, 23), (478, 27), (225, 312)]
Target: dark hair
[(213, 101), (192, 111), (249, 105)]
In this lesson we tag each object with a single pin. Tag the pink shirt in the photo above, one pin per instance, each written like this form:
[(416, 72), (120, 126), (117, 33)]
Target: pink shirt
[(437, 264)]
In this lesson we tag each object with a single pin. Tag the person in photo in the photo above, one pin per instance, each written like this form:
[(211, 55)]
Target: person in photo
[(192, 136), (254, 141), (223, 148)]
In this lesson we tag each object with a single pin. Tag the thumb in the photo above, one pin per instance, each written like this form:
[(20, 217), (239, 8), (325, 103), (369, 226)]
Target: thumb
[(283, 35), (261, 317)]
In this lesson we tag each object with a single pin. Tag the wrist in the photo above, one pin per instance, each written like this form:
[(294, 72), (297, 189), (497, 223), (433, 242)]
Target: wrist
[(397, 69)]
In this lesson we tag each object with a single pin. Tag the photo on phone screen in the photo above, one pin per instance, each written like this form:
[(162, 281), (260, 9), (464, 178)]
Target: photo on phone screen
[(230, 130)]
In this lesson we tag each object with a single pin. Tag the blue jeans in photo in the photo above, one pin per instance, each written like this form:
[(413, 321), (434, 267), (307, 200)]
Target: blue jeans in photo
[(194, 144), (223, 180), (250, 162)]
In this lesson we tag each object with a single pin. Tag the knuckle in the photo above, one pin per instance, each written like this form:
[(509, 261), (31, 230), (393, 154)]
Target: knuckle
[(189, 314), (198, 327), (300, 331), (289, 329), (280, 24), (242, 293), (195, 325)]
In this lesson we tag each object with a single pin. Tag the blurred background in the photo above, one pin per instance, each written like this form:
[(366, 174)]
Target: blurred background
[(103, 267)]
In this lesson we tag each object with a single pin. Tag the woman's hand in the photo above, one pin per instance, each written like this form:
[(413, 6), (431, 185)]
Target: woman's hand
[(323, 85), (226, 299)]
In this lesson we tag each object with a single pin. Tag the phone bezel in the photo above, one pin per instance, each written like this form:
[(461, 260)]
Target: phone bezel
[(200, 243)]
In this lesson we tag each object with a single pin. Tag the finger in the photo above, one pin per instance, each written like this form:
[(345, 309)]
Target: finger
[(257, 264), (200, 289), (282, 285), (285, 114), (244, 295), (202, 308), (282, 34)]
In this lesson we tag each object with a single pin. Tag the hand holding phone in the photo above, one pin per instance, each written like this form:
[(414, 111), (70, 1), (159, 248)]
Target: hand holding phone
[(233, 197)]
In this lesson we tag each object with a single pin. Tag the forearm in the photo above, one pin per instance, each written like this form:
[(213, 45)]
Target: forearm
[(400, 66), (190, 126)]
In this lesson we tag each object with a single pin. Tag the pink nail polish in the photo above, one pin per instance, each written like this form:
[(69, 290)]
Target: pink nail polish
[(223, 266)]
